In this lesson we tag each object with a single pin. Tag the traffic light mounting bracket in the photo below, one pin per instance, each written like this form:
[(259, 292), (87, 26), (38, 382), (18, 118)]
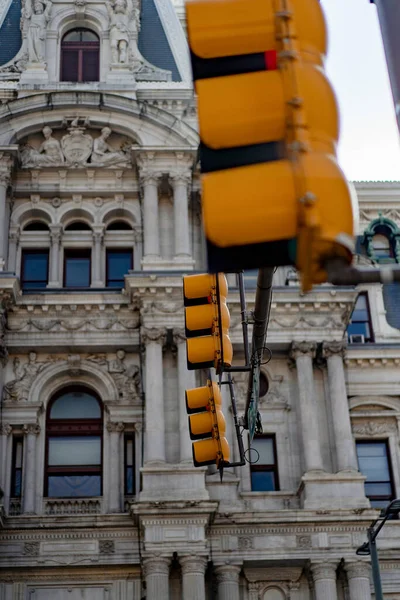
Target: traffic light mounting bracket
[(239, 437)]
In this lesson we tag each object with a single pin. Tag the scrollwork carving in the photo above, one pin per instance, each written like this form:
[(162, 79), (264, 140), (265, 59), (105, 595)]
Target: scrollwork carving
[(154, 335), (115, 427), (299, 349), (374, 428), (334, 349), (31, 429)]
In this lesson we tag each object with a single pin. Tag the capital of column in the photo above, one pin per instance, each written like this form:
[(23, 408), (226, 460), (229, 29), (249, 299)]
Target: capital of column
[(31, 429), (14, 233), (5, 429), (156, 565), (55, 233), (98, 233), (180, 178), (179, 336), (149, 176), (323, 570), (228, 573), (299, 349), (334, 349), (193, 564), (153, 335), (6, 164), (357, 569), (115, 427)]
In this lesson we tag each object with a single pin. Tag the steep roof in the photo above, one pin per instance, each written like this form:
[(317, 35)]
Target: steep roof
[(10, 33)]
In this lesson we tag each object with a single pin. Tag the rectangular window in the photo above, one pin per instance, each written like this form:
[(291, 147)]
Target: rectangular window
[(77, 267), (16, 476), (129, 463), (359, 329), (119, 262), (34, 269), (264, 467), (70, 65), (374, 463)]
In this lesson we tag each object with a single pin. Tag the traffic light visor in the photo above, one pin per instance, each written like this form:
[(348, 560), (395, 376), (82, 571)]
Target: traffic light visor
[(198, 399), (211, 451), (202, 424)]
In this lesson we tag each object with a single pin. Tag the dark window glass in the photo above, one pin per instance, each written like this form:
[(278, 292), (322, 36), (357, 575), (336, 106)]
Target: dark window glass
[(360, 321), (119, 262), (119, 226), (16, 478), (77, 268), (36, 226), (374, 463), (80, 56), (78, 226), (34, 269), (264, 385), (382, 246), (129, 464), (264, 472), (74, 445)]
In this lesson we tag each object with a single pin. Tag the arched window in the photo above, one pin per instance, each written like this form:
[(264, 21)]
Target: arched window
[(381, 240), (78, 226), (36, 226), (382, 246), (119, 226), (74, 432), (80, 50)]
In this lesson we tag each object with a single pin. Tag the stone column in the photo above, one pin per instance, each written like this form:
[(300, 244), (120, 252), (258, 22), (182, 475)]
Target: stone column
[(6, 163), (180, 182), (151, 232), (228, 581), (5, 430), (303, 353), (55, 274), (98, 236), (13, 241), (115, 430), (346, 458), (155, 420), (193, 574), (186, 381), (358, 577), (31, 431), (324, 577), (253, 588), (156, 572)]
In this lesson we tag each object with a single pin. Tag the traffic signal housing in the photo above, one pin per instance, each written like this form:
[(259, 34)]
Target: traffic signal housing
[(207, 426), (272, 191), (207, 321)]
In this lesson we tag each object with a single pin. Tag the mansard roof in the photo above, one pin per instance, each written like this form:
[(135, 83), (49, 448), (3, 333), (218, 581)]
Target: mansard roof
[(10, 32)]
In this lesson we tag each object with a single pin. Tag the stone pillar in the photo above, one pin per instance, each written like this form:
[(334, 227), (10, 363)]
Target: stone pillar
[(156, 572), (5, 430), (303, 353), (155, 420), (31, 431), (55, 274), (346, 458), (6, 163), (358, 577), (253, 589), (228, 581), (98, 236), (13, 241), (151, 232), (186, 381), (193, 574), (180, 182), (324, 577), (115, 430)]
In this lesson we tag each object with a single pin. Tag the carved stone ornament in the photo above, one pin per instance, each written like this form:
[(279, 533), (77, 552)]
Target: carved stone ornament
[(31, 548), (17, 390), (115, 427), (35, 17), (334, 349), (324, 570), (374, 428), (77, 146), (300, 349), (5, 429), (126, 377), (153, 335), (106, 547), (357, 569), (156, 565), (31, 429)]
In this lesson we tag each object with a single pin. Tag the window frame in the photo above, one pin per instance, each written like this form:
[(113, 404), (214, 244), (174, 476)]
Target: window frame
[(115, 251), (129, 437), (79, 428), (384, 441), (68, 252), (24, 252), (80, 48), (371, 339), (17, 439), (266, 468)]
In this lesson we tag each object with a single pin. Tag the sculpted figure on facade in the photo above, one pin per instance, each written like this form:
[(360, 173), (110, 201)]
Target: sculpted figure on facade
[(49, 153), (18, 389), (105, 155), (127, 379), (35, 18), (124, 16)]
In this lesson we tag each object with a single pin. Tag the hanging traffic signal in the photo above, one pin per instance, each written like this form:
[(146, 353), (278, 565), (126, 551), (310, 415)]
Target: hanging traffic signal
[(207, 426), (207, 321), (272, 191)]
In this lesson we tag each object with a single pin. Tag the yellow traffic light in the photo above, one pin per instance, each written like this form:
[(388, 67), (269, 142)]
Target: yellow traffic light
[(272, 191), (207, 321), (207, 425)]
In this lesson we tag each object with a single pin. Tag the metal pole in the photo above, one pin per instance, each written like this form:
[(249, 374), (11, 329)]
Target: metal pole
[(389, 20), (376, 575), (339, 273)]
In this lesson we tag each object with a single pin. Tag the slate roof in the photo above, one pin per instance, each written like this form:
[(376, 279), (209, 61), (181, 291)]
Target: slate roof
[(153, 43), (391, 298)]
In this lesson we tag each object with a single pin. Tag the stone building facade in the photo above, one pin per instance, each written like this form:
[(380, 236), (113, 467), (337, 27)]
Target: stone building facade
[(99, 219)]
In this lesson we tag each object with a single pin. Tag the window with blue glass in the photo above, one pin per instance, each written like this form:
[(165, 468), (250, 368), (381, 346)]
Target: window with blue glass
[(77, 268), (129, 461), (374, 463), (264, 467), (74, 445), (16, 476), (359, 329), (119, 263), (34, 269)]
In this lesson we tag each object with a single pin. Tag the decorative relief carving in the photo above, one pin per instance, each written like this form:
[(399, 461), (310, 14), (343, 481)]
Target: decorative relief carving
[(303, 541), (127, 378), (76, 149), (6, 163), (245, 543), (357, 569), (31, 429), (35, 17), (334, 349), (154, 335), (18, 389), (124, 18), (31, 548), (115, 427), (374, 428), (104, 323), (5, 429), (299, 349), (106, 546)]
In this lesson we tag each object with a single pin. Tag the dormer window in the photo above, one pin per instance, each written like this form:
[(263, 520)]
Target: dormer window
[(80, 50), (382, 240), (382, 246)]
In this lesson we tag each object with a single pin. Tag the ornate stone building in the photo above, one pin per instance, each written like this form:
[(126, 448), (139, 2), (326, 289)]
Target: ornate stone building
[(99, 219)]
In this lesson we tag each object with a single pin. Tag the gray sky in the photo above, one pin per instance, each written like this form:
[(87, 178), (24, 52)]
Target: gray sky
[(369, 147)]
